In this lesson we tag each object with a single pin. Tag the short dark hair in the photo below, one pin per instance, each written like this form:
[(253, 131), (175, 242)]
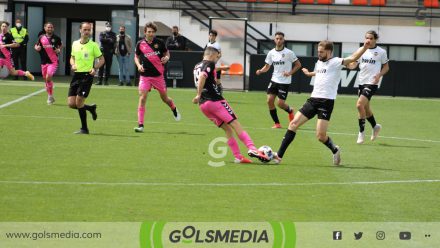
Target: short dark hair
[(279, 33), (176, 27), (48, 23), (83, 23), (150, 25), (372, 32), (5, 22), (212, 31), (326, 44)]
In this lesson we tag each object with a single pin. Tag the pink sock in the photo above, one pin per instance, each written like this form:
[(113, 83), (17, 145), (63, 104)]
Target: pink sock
[(232, 143), (246, 139), (141, 114), (49, 88), (20, 73), (171, 104)]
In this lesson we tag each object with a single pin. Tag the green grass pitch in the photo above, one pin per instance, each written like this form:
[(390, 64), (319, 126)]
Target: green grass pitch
[(49, 174)]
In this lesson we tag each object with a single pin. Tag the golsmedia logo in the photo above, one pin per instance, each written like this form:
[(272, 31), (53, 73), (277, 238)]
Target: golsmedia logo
[(190, 234), (218, 234)]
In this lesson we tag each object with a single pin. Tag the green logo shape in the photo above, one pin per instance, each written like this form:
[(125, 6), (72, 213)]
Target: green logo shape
[(151, 234)]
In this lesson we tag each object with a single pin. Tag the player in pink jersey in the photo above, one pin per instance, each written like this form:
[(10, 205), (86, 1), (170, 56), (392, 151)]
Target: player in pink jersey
[(216, 108), (150, 57), (49, 46), (6, 43)]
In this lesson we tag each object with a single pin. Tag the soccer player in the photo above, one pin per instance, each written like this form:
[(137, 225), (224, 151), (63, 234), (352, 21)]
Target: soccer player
[(82, 62), (373, 65), (6, 44), (212, 42), (282, 59), (49, 46), (327, 77), (150, 57), (216, 108)]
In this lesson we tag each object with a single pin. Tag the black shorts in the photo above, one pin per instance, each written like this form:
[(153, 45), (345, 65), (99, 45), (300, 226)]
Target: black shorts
[(318, 106), (367, 90), (81, 84), (280, 90)]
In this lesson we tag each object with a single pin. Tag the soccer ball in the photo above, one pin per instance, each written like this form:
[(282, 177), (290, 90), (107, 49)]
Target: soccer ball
[(267, 151)]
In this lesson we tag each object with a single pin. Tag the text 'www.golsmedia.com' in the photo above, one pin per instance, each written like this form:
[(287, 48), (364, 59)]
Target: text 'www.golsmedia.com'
[(53, 235)]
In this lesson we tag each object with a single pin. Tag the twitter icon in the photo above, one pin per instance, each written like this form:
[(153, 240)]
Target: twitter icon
[(358, 235)]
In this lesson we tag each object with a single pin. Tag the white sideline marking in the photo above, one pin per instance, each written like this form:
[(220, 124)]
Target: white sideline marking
[(219, 184), (208, 125), (21, 98)]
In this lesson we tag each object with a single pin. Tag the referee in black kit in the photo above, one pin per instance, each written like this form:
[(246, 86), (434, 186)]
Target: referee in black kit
[(82, 62)]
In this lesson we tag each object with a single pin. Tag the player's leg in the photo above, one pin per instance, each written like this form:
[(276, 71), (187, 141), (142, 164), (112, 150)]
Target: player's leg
[(273, 110), (290, 134), (232, 143), (14, 72), (283, 91), (321, 134), (85, 85), (143, 88), (247, 141), (159, 85), (50, 71), (370, 117), (361, 104)]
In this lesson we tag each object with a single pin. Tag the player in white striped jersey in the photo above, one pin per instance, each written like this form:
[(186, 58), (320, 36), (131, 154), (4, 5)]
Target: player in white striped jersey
[(373, 65), (282, 59), (327, 77)]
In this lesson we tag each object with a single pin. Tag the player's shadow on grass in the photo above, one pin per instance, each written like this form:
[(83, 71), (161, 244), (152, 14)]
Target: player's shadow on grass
[(179, 133), (114, 135), (398, 146)]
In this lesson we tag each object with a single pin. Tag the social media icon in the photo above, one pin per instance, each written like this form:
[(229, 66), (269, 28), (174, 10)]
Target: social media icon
[(337, 235), (405, 235), (380, 235), (358, 235)]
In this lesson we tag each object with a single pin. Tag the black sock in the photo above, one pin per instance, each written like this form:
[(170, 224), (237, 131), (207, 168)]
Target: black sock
[(287, 139), (330, 145), (175, 111), (361, 125), (273, 113), (288, 109), (372, 121), (141, 125), (83, 116)]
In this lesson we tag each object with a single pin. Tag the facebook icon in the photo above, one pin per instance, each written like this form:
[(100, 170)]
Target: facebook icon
[(337, 235)]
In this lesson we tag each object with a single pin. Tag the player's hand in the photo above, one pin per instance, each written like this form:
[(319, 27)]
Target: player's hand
[(286, 74), (165, 59), (305, 71), (376, 79), (141, 68), (258, 72), (2, 46), (37, 48), (57, 51), (196, 99), (92, 72), (73, 67)]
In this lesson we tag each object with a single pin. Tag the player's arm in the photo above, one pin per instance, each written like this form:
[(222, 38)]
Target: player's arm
[(166, 57), (59, 47), (201, 84), (264, 69), (37, 46), (308, 73), (138, 63), (356, 55), (98, 65), (383, 71), (296, 66), (72, 63)]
